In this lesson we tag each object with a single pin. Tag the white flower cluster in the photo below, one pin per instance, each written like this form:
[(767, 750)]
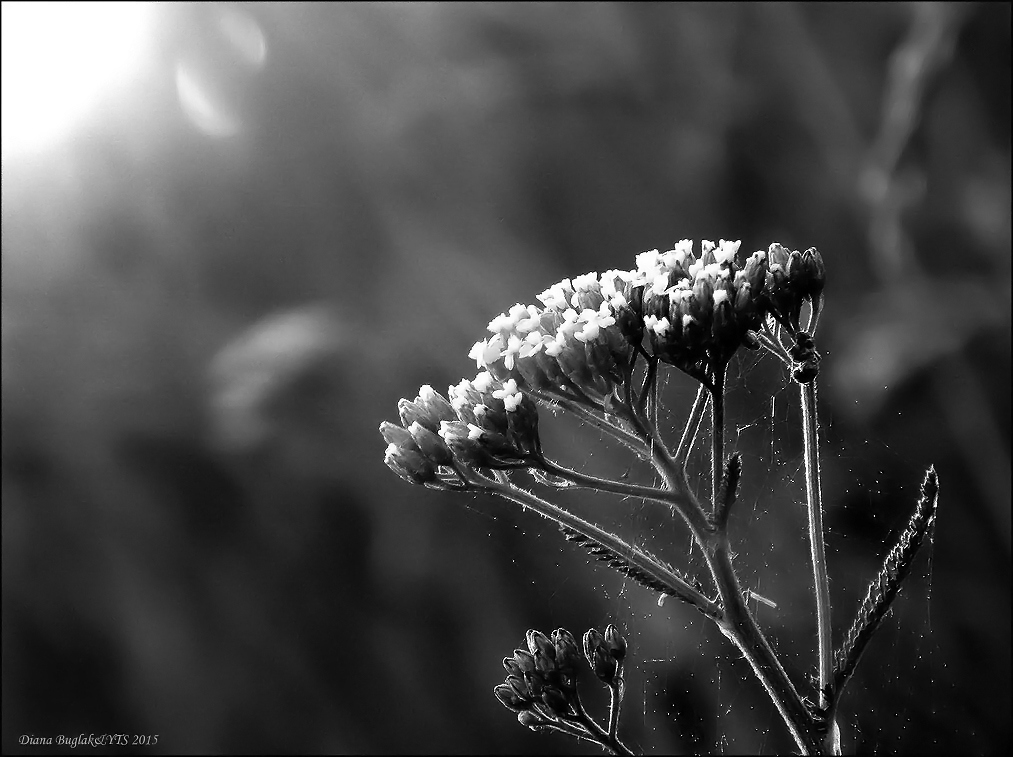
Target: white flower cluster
[(589, 327), (688, 311)]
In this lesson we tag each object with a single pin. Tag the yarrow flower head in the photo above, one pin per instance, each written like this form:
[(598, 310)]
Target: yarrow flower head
[(697, 311), (581, 342), (576, 342)]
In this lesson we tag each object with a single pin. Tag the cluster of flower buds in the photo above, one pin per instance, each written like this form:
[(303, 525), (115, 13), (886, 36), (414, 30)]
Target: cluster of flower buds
[(605, 653), (791, 279), (415, 450), (485, 424), (542, 678), (496, 426)]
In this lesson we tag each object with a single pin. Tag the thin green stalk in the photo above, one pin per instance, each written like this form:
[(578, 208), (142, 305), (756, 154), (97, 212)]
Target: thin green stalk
[(819, 559), (660, 456), (576, 729), (607, 739), (591, 415), (615, 705), (650, 378), (622, 488), (689, 433), (717, 435)]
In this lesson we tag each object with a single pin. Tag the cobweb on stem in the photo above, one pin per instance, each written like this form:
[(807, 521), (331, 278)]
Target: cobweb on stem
[(696, 694)]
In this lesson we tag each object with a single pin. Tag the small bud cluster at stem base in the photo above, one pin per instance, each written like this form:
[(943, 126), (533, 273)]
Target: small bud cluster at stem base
[(541, 684)]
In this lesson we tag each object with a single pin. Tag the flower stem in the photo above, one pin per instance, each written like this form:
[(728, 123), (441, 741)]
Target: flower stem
[(739, 627), (607, 739), (689, 433), (665, 496), (717, 435), (821, 581), (615, 705), (594, 415)]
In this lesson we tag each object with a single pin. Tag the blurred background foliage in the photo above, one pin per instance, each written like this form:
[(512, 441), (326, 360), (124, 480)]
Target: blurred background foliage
[(220, 281)]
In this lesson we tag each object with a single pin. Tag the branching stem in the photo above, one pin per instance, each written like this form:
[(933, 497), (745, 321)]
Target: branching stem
[(689, 433), (607, 739), (596, 416), (734, 620), (670, 498), (663, 575)]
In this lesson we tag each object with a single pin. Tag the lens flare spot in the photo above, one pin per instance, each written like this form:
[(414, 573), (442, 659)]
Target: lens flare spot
[(59, 60)]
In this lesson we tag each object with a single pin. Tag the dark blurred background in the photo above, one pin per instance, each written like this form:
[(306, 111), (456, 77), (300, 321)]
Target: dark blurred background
[(222, 271)]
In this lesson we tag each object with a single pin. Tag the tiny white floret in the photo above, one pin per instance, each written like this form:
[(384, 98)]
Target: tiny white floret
[(512, 401)]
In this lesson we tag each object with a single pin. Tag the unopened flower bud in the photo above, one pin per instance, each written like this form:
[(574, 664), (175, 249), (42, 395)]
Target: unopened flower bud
[(701, 305), (793, 268), (815, 274), (410, 464), (397, 435), (531, 720), (522, 425), (539, 644), (599, 657), (435, 404), (490, 418), (777, 255), (723, 327), (431, 444), (707, 249), (755, 271), (510, 699), (535, 682), (525, 660), (744, 304), (519, 686), (615, 642), (410, 413), (468, 450), (556, 700), (567, 652), (511, 666)]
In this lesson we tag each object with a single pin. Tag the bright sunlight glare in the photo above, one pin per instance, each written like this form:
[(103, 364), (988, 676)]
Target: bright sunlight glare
[(59, 59)]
